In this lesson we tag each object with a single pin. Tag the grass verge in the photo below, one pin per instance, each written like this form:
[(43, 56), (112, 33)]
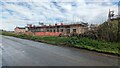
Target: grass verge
[(86, 43)]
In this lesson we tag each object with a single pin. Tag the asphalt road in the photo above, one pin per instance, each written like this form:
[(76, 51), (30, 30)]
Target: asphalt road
[(0, 51), (21, 52)]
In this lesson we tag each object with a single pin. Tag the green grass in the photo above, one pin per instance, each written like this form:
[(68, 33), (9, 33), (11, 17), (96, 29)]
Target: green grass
[(86, 43)]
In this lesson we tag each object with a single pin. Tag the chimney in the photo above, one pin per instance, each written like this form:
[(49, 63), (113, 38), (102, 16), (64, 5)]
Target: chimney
[(29, 25), (33, 25), (56, 24), (61, 23)]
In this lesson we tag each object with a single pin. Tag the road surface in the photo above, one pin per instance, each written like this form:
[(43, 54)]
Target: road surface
[(21, 52)]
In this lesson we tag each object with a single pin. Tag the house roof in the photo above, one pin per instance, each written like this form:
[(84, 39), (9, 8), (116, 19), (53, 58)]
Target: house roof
[(20, 27), (50, 26)]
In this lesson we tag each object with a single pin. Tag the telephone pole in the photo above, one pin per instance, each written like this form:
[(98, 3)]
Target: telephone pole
[(118, 34)]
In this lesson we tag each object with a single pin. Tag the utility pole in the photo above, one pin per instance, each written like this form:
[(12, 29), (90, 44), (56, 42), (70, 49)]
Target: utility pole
[(118, 34)]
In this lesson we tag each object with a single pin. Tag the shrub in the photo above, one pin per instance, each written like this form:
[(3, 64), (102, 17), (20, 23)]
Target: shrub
[(97, 45)]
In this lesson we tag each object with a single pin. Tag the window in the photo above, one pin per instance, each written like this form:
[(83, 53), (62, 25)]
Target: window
[(74, 30), (61, 30), (50, 30), (68, 31), (57, 30), (47, 30), (54, 30)]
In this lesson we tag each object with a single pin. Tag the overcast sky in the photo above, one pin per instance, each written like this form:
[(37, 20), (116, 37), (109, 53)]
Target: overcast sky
[(21, 12)]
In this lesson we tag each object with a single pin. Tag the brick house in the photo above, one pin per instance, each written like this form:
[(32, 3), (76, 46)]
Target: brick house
[(55, 30), (19, 30)]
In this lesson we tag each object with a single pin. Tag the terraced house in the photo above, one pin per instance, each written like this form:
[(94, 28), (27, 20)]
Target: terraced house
[(56, 29)]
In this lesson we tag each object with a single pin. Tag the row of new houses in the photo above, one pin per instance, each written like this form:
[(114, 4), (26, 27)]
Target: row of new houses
[(54, 30)]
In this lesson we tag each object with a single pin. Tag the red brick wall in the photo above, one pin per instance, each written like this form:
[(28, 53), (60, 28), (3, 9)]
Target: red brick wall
[(47, 33)]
